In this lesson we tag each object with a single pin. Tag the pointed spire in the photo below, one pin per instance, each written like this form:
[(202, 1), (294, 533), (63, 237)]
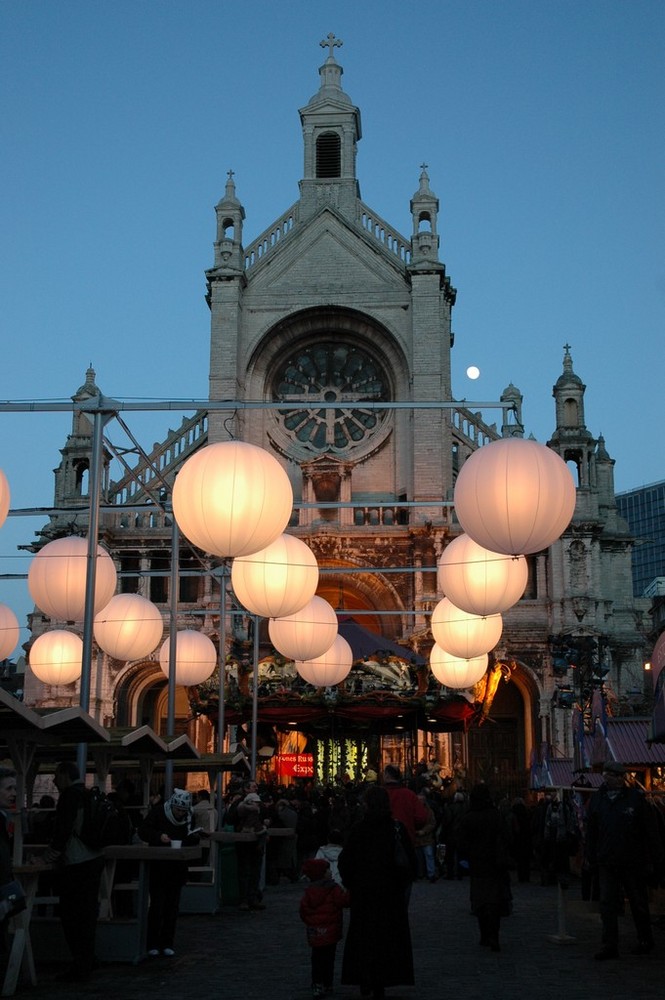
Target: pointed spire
[(229, 200), (89, 387), (568, 377), (331, 74)]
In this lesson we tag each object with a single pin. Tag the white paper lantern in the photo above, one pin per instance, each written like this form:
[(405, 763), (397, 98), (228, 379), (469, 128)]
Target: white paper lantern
[(129, 627), (278, 580), (4, 497), (307, 633), (57, 578), (9, 631), (56, 657), (514, 496), (330, 668), (232, 498), (480, 581), (195, 657), (455, 671), (463, 634)]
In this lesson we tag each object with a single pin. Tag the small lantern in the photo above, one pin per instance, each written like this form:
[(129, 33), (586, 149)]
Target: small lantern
[(9, 631), (195, 657), (57, 578), (4, 497), (480, 581), (462, 634), (129, 627), (278, 580), (232, 499), (330, 668), (307, 633), (454, 671), (56, 657), (514, 496)]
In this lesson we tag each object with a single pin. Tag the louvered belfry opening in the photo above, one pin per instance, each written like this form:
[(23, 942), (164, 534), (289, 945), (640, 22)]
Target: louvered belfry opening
[(328, 155)]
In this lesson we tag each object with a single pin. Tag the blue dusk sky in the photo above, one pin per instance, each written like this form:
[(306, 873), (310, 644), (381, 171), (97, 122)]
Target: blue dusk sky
[(542, 124)]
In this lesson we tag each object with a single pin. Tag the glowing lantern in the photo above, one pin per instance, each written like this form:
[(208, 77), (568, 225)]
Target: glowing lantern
[(480, 581), (4, 498), (277, 580), (57, 574), (462, 634), (195, 657), (307, 633), (129, 627), (9, 631), (232, 498), (514, 496), (56, 657), (330, 668), (454, 671)]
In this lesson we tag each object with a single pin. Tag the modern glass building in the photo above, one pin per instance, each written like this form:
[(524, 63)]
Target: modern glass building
[(644, 510)]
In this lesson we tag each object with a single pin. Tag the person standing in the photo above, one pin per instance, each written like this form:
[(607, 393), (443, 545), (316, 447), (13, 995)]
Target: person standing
[(7, 808), (405, 805), (166, 822), (483, 842), (321, 910), (623, 841), (377, 951), (78, 873)]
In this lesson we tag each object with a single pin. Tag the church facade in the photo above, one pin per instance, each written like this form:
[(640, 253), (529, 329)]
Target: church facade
[(330, 346)]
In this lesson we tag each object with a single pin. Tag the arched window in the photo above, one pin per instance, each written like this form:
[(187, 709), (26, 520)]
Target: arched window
[(424, 223), (328, 155)]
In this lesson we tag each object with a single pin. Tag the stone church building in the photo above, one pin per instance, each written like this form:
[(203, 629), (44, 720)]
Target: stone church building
[(327, 311)]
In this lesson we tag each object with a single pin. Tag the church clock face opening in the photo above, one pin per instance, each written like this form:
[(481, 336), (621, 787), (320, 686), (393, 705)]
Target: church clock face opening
[(326, 373)]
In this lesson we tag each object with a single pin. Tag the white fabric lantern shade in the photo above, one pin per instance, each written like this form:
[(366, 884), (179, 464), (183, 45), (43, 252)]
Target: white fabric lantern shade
[(457, 671), (306, 633), (232, 499), (463, 634), (195, 657), (278, 580), (4, 497), (330, 668), (57, 578), (129, 627), (479, 581), (56, 657), (514, 496), (9, 631)]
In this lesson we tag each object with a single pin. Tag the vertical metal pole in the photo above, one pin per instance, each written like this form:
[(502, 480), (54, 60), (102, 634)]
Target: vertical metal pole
[(173, 636), (221, 703), (90, 577), (255, 696)]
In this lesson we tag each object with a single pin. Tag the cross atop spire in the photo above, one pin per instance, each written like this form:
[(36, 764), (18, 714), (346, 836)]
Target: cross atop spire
[(331, 43)]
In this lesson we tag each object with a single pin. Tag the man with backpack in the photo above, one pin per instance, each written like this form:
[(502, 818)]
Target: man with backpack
[(78, 871)]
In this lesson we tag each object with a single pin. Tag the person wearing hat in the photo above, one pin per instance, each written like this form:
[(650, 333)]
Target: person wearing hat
[(165, 823), (321, 910), (250, 818), (623, 842)]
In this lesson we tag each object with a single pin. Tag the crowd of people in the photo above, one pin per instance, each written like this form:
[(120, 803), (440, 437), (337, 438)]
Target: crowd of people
[(359, 847)]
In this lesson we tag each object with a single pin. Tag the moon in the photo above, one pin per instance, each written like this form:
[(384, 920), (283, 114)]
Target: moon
[(473, 372)]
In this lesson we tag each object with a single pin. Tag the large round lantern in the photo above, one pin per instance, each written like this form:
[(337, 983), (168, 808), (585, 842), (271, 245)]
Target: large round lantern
[(195, 657), (56, 657), (455, 671), (462, 634), (330, 668), (57, 578), (514, 496), (232, 498), (278, 580), (129, 627), (4, 498), (9, 631), (307, 633), (480, 581)]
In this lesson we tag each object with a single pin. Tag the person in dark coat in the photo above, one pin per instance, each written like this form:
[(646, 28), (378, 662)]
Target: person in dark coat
[(377, 951), (484, 844), (7, 808), (321, 910), (622, 840), (166, 822)]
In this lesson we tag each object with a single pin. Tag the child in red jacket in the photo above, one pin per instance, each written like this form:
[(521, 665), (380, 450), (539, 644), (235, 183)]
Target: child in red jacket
[(321, 910)]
